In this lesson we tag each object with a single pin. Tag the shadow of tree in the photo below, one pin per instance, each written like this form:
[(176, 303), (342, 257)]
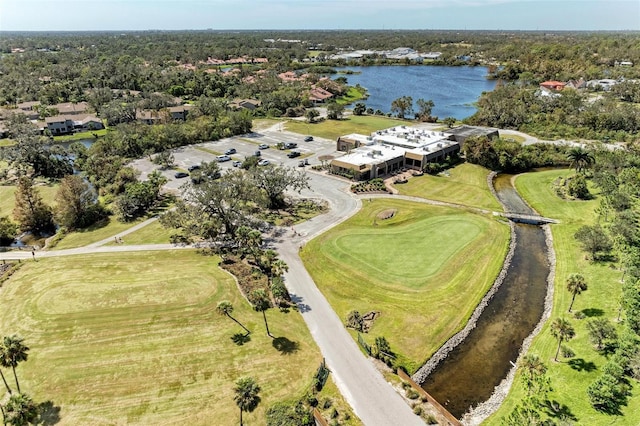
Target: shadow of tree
[(580, 364), (559, 411), (241, 338), (48, 413), (300, 305), (592, 312), (285, 346)]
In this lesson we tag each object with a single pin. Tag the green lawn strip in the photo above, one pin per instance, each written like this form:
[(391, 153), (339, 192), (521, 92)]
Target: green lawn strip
[(466, 184), (7, 197), (332, 129), (425, 270), (600, 300), (7, 142), (210, 151), (94, 233), (153, 233), (89, 134), (133, 338)]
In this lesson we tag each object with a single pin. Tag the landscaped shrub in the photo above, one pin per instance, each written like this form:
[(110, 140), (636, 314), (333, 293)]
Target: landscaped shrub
[(412, 394), (355, 320)]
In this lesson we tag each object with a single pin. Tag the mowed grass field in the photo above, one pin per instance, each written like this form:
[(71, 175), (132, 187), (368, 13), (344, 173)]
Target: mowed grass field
[(8, 198), (601, 300), (466, 184), (425, 270), (332, 129), (133, 338)]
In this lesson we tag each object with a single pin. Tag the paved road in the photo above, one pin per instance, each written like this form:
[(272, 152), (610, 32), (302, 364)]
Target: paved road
[(373, 399)]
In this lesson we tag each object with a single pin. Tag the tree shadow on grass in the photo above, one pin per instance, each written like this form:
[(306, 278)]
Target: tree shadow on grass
[(241, 338), (48, 413), (285, 346), (559, 411), (592, 312), (580, 364)]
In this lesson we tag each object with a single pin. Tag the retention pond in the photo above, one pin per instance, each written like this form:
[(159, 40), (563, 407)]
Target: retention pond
[(471, 371)]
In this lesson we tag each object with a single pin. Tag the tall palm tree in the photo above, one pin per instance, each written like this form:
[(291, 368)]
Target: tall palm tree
[(562, 330), (575, 285), (261, 303), (5, 382), (580, 158), (246, 396), (20, 410), (12, 353), (226, 308)]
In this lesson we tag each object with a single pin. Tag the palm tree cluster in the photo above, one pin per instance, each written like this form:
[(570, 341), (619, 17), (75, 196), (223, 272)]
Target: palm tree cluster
[(20, 409), (12, 352)]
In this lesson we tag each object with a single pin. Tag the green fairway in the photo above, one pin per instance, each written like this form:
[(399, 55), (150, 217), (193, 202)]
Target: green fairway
[(8, 199), (133, 338), (600, 300), (425, 270), (466, 184), (332, 129)]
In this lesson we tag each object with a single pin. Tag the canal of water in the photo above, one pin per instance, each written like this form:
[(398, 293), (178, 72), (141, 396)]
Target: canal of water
[(469, 374)]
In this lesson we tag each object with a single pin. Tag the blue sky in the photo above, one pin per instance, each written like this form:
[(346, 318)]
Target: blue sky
[(65, 15)]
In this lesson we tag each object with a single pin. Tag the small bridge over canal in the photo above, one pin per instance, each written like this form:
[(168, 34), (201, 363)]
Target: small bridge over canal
[(528, 218)]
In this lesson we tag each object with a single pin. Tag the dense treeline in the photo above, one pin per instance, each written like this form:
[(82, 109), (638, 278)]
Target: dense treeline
[(567, 114)]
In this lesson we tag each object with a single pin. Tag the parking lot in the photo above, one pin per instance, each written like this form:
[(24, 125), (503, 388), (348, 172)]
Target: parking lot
[(245, 146)]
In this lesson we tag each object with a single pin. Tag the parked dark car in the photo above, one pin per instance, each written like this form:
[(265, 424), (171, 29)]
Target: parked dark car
[(308, 139), (194, 167), (230, 151), (257, 154), (293, 154), (290, 145), (180, 175)]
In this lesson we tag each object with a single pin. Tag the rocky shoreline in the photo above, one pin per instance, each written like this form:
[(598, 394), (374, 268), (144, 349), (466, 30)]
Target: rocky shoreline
[(478, 414)]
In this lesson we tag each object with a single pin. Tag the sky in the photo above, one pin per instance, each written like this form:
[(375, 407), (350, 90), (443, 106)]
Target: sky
[(122, 15)]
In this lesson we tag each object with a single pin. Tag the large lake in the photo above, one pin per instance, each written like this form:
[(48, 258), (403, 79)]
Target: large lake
[(453, 90)]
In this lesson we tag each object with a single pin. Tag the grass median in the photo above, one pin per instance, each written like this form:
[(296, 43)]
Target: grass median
[(134, 338), (571, 377), (425, 269)]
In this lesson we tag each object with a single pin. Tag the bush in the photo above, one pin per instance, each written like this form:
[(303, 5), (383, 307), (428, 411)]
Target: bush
[(412, 394), (417, 410), (578, 187), (567, 352)]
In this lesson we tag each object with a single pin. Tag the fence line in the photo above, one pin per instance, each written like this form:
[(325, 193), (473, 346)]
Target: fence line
[(452, 421)]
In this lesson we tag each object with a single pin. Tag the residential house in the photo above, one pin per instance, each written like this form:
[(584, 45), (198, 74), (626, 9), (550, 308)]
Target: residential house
[(71, 108), (318, 95), (250, 104), (61, 125)]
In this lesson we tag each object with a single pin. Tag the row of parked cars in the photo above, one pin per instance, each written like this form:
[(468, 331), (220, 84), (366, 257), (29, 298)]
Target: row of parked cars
[(264, 162)]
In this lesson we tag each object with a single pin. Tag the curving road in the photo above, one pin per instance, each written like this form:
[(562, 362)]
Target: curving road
[(373, 399)]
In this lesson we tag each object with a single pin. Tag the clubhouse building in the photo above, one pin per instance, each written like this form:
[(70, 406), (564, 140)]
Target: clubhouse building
[(400, 147)]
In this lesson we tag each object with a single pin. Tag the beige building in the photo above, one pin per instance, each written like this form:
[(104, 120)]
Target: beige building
[(386, 151)]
